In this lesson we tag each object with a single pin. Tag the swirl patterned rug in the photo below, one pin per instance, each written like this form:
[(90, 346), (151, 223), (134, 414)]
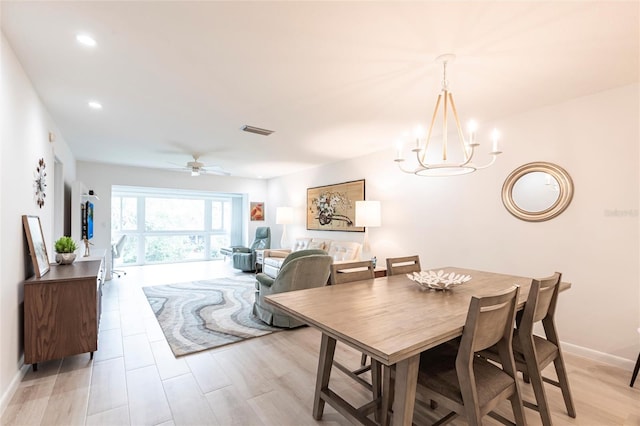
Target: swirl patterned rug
[(200, 315)]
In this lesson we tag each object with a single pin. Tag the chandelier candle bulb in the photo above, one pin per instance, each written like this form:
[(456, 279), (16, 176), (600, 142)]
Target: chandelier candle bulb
[(473, 126), (399, 148), (495, 137)]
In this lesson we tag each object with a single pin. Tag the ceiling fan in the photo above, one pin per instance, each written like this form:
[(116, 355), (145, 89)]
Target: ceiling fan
[(198, 168)]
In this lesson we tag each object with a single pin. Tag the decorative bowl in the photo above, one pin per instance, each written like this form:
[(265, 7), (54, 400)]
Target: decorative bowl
[(440, 280)]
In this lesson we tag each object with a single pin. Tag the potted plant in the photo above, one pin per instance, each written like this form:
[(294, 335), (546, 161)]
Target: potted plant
[(65, 248)]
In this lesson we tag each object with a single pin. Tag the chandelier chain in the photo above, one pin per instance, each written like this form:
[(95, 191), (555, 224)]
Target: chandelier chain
[(445, 82)]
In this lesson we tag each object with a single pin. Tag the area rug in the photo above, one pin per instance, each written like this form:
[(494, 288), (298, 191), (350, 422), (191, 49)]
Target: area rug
[(200, 315)]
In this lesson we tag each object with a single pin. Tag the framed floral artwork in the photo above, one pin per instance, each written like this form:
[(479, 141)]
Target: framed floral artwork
[(333, 207), (256, 211), (37, 247)]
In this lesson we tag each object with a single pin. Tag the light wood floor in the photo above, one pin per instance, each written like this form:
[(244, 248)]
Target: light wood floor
[(135, 379)]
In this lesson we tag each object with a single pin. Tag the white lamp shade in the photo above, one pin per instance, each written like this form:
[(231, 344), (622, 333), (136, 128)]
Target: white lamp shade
[(368, 213), (284, 215)]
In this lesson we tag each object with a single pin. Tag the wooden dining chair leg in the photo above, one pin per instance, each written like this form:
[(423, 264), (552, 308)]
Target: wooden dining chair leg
[(363, 360), (537, 383), (564, 385), (516, 406), (635, 371), (325, 361), (472, 409)]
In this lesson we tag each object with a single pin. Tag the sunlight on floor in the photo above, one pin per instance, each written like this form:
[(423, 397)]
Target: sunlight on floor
[(176, 272)]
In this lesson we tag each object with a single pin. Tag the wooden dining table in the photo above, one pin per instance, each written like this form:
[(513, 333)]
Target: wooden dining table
[(392, 320)]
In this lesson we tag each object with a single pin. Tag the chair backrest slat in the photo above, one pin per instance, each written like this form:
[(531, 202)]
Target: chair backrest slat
[(403, 265), (345, 272)]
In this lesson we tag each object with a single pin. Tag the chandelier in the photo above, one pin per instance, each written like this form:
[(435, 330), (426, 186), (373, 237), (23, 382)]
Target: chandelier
[(460, 164)]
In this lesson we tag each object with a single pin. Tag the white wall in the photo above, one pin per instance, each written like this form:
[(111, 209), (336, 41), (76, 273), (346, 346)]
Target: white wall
[(24, 132), (461, 220), (100, 178)]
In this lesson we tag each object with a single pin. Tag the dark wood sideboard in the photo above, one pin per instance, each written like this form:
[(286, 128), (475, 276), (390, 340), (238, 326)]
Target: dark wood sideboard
[(62, 311)]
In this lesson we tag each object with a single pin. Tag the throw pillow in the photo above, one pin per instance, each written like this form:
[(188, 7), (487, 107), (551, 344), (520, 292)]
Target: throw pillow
[(316, 245)]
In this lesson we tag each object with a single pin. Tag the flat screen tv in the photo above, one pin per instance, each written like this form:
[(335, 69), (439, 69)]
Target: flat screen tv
[(87, 220)]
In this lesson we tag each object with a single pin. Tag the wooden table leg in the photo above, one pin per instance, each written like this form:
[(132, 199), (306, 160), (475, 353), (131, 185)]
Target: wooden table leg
[(387, 395), (405, 390), (325, 361), (376, 384)]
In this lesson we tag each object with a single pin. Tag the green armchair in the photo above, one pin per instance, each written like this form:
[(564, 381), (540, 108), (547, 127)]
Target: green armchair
[(244, 258), (301, 269)]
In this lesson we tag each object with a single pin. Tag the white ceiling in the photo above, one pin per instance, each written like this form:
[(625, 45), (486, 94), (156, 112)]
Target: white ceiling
[(335, 80)]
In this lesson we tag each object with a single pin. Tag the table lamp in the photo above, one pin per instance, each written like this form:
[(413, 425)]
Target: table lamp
[(284, 217), (367, 215)]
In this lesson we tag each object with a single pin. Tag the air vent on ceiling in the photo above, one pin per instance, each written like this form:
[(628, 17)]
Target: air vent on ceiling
[(257, 130)]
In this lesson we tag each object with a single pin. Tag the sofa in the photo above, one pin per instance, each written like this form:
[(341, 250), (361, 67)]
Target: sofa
[(300, 270), (339, 251)]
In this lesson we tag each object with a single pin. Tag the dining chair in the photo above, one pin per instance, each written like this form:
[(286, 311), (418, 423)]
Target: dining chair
[(458, 379), (346, 272), (403, 265), (532, 353), (635, 369)]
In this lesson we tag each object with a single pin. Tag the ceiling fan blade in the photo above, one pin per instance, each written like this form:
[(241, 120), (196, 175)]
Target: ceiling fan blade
[(218, 172)]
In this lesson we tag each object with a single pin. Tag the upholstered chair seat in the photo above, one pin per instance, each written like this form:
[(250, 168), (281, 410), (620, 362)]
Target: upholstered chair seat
[(438, 372)]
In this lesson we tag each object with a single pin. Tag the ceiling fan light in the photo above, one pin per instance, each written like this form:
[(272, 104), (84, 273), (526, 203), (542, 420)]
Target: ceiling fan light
[(195, 172)]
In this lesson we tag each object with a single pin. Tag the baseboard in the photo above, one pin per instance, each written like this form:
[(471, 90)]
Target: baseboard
[(614, 360), (13, 387)]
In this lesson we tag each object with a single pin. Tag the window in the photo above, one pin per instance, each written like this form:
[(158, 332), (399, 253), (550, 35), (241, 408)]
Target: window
[(165, 226), (173, 214)]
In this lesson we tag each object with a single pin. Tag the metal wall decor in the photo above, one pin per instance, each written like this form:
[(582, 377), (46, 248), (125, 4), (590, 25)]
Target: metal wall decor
[(40, 183)]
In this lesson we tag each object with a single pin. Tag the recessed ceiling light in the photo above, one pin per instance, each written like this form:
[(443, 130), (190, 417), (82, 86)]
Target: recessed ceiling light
[(95, 105), (86, 40)]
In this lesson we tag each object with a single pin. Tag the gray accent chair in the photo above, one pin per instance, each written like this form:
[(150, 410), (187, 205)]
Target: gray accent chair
[(301, 269), (244, 258)]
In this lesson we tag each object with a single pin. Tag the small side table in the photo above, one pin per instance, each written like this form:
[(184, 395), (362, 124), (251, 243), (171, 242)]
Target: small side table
[(259, 260)]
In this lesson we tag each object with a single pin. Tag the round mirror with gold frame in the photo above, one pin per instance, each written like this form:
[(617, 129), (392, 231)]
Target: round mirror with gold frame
[(538, 191)]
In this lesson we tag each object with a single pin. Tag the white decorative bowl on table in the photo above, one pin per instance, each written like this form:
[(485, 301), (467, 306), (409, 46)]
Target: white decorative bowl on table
[(439, 280)]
